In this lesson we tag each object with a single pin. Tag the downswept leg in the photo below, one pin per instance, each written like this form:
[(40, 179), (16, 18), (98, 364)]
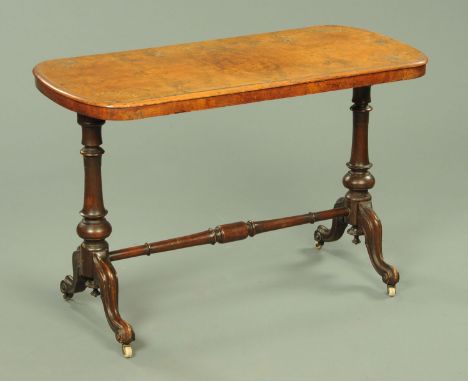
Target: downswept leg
[(323, 234), (76, 283), (372, 228), (106, 279)]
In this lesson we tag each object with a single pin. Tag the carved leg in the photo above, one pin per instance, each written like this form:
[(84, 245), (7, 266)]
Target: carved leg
[(323, 234), (106, 278), (91, 267), (372, 228), (359, 180), (76, 283)]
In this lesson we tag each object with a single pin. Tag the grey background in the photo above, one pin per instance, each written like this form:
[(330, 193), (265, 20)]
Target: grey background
[(268, 308)]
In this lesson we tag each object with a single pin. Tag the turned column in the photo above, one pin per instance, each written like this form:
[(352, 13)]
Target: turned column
[(358, 179), (93, 228)]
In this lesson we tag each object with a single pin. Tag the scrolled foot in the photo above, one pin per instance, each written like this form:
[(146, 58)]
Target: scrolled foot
[(73, 284), (106, 277), (372, 228), (323, 234)]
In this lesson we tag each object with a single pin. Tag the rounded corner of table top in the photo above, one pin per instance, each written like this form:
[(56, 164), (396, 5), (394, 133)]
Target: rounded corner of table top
[(201, 75)]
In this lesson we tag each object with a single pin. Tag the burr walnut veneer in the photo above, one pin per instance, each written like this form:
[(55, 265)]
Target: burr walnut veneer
[(173, 79)]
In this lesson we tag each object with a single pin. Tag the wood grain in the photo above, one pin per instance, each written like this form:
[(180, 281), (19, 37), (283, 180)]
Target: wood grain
[(180, 78), (226, 233)]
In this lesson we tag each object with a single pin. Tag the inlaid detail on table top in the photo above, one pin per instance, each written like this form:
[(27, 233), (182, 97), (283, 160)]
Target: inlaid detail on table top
[(179, 78)]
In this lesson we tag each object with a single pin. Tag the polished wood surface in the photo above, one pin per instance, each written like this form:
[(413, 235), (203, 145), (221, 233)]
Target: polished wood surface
[(227, 233), (91, 266), (172, 79)]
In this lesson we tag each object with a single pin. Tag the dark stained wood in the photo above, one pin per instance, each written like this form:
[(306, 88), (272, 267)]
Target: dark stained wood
[(359, 180), (78, 282), (371, 227), (93, 228), (323, 234), (91, 266), (106, 279), (226, 233), (172, 79)]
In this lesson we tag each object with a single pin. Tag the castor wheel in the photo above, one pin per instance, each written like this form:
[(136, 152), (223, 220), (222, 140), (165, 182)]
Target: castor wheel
[(127, 351), (65, 287), (67, 296), (356, 239), (318, 244), (391, 290)]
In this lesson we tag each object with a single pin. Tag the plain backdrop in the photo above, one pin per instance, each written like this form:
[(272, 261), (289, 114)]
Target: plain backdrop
[(271, 307)]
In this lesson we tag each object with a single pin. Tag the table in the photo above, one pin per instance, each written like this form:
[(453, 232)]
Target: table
[(195, 76)]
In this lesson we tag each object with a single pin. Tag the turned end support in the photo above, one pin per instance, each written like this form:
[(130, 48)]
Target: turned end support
[(93, 228), (358, 180)]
